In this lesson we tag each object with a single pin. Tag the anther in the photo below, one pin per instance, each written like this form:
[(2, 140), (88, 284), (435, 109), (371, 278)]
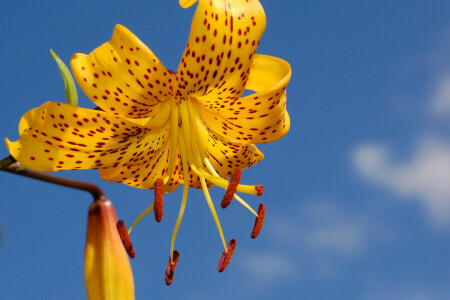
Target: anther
[(259, 189), (170, 269), (126, 241), (159, 202), (259, 221), (231, 189), (226, 256)]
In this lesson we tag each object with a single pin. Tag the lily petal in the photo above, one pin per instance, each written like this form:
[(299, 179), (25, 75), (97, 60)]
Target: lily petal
[(223, 39), (142, 173), (187, 3), (62, 137), (258, 118), (123, 76), (226, 155)]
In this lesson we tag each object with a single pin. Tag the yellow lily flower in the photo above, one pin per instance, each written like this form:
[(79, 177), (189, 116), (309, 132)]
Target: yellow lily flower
[(107, 269), (156, 128)]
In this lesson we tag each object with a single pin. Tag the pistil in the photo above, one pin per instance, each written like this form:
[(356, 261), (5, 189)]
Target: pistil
[(170, 269)]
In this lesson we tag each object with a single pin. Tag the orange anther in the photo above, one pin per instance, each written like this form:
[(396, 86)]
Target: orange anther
[(170, 269), (231, 189), (259, 189), (226, 256), (126, 241), (159, 201), (259, 221)]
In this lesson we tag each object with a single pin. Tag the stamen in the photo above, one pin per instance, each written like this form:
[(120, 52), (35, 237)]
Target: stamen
[(226, 256), (259, 190), (173, 142), (196, 149), (159, 201), (220, 182), (161, 117), (185, 193), (259, 221), (185, 127), (123, 233), (197, 141), (213, 211), (231, 190), (170, 269), (240, 200), (143, 214)]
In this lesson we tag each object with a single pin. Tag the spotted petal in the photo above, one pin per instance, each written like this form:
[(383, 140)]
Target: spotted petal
[(223, 39), (123, 76), (258, 118), (226, 155), (145, 169), (61, 137)]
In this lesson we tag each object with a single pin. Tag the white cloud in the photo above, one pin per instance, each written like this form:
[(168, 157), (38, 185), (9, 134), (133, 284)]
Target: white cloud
[(331, 229), (318, 238), (440, 98), (410, 285), (411, 293), (424, 177), (268, 266), (324, 228)]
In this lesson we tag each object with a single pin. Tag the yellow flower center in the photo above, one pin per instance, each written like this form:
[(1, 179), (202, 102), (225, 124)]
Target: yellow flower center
[(185, 139)]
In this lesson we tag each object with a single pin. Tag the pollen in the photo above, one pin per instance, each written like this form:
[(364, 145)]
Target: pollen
[(259, 221), (226, 256), (126, 241), (159, 201), (232, 186), (259, 190)]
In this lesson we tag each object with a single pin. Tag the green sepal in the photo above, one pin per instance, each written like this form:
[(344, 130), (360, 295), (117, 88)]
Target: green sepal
[(69, 83)]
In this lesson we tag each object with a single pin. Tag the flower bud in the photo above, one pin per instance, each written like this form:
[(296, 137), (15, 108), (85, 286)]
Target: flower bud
[(107, 269)]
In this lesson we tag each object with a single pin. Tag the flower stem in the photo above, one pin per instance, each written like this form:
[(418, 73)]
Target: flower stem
[(6, 162), (9, 164)]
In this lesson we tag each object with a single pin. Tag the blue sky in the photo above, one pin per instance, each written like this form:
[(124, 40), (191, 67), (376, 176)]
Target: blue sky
[(357, 194)]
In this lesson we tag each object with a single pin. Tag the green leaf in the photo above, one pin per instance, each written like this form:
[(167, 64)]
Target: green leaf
[(69, 83)]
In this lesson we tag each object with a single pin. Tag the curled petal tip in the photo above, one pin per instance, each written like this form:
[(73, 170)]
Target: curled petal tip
[(259, 189), (170, 269), (259, 221), (126, 241), (187, 3), (226, 256), (159, 201), (231, 189)]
